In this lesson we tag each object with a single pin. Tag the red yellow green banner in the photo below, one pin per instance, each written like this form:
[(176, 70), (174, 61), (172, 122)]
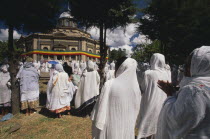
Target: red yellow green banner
[(49, 52)]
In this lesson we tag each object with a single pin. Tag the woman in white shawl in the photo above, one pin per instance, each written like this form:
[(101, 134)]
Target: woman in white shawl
[(29, 87), (58, 100), (186, 114), (5, 92), (88, 88), (152, 97), (115, 113)]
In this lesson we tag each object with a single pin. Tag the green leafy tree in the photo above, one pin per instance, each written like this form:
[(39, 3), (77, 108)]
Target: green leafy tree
[(116, 54), (28, 16), (3, 50), (180, 25), (105, 14), (143, 52)]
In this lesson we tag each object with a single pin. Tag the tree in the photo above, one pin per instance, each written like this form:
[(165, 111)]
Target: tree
[(143, 52), (180, 25), (3, 50), (105, 14), (28, 16), (116, 54)]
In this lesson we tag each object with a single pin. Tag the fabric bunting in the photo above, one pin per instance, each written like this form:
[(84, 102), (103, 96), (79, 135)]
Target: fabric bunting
[(48, 52)]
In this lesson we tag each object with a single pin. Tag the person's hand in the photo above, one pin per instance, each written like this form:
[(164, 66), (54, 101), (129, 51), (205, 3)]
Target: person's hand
[(166, 87), (70, 78)]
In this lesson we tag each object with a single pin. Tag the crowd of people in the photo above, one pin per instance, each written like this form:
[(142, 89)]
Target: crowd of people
[(160, 101)]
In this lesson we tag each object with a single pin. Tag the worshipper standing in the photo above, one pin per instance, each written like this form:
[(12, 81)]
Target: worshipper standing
[(186, 114), (110, 73), (67, 69), (29, 87), (58, 100), (76, 74), (5, 92), (152, 97), (88, 88), (83, 66), (112, 66), (115, 113), (168, 69)]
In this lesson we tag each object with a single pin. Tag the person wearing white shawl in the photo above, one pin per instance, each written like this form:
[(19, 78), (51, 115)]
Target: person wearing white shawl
[(152, 97), (115, 113), (76, 73), (29, 87), (110, 73), (83, 66), (5, 91), (186, 114), (112, 66), (88, 87), (168, 69), (58, 100)]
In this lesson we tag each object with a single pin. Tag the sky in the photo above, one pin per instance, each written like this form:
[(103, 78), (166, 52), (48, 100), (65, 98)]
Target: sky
[(124, 38)]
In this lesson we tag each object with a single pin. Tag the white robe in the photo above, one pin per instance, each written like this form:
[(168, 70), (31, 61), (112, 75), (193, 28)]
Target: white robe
[(115, 113), (58, 91), (88, 88), (71, 91), (187, 114), (5, 92), (110, 75), (152, 97)]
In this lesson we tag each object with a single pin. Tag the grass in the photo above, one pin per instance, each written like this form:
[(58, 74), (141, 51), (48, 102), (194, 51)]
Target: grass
[(38, 126)]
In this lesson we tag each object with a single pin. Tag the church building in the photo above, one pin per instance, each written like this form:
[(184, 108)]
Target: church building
[(65, 42)]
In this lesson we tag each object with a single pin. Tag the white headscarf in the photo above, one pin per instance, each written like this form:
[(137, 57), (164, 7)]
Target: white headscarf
[(59, 68), (157, 61), (90, 65), (4, 68), (200, 63)]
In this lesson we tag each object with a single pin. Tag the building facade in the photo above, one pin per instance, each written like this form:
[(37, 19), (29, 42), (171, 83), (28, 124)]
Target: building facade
[(65, 42)]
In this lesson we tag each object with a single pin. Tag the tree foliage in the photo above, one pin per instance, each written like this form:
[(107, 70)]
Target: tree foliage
[(3, 50), (116, 54), (180, 25), (143, 53)]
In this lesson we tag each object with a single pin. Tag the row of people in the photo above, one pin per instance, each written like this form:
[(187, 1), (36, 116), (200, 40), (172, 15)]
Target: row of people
[(150, 102)]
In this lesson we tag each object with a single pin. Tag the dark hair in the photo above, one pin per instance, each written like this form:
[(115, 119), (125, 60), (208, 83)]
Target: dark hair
[(119, 62)]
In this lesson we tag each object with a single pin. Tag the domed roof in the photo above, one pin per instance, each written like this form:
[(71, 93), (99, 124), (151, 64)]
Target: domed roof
[(66, 15)]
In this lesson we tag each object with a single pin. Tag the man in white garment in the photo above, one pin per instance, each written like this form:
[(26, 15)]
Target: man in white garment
[(29, 87), (88, 88), (152, 97), (115, 113), (186, 113)]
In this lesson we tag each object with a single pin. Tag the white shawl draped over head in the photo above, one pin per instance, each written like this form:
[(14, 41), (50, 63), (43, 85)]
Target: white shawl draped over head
[(59, 68), (90, 66), (88, 87), (187, 115), (122, 96), (58, 89), (152, 96), (157, 62)]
